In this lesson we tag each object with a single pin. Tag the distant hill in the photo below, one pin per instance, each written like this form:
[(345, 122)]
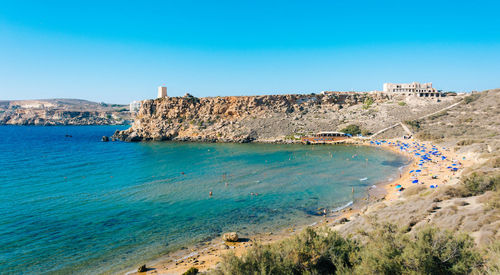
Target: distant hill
[(62, 111)]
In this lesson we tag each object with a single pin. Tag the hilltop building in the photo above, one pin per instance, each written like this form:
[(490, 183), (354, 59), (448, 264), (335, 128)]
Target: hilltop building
[(162, 92), (415, 88), (134, 106)]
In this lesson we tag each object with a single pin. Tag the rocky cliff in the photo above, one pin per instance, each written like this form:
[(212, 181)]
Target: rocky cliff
[(270, 118)]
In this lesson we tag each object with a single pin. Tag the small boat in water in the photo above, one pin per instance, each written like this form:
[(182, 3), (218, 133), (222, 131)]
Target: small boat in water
[(325, 137)]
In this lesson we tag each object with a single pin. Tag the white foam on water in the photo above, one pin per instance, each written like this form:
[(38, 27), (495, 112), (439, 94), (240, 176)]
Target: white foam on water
[(342, 207)]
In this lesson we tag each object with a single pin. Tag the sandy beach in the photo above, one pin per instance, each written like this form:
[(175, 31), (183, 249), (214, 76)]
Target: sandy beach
[(433, 172)]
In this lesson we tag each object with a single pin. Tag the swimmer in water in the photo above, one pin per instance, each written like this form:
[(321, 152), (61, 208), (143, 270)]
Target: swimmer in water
[(210, 193)]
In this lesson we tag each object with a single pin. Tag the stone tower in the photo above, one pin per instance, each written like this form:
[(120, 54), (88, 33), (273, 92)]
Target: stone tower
[(162, 92)]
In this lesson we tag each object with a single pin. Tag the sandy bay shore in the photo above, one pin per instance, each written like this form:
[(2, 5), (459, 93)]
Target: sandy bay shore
[(207, 255)]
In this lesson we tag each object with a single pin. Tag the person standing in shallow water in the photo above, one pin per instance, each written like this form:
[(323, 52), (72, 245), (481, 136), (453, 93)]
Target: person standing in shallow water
[(210, 193)]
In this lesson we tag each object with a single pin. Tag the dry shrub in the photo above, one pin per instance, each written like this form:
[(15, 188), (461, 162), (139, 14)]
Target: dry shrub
[(414, 190), (467, 142), (471, 98), (426, 135), (491, 200), (494, 163), (492, 263), (458, 191), (479, 182)]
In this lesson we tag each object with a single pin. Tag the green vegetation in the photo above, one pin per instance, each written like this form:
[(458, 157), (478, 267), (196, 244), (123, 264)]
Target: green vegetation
[(440, 114), (352, 129), (390, 250), (368, 102), (402, 103), (492, 263), (471, 98), (355, 130), (191, 271), (478, 183), (426, 135), (414, 124)]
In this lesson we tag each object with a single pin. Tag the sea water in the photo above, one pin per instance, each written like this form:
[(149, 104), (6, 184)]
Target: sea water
[(70, 203)]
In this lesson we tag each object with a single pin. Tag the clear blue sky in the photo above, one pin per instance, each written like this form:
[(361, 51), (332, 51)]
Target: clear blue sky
[(118, 51)]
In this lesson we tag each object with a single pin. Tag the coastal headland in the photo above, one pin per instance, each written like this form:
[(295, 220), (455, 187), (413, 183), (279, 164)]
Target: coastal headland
[(451, 150), (272, 118)]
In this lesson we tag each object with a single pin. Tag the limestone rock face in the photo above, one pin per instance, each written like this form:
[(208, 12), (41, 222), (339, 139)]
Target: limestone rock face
[(230, 237), (268, 118)]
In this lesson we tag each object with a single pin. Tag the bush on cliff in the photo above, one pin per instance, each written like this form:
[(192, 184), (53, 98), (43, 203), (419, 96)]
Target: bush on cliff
[(311, 252), (352, 129), (368, 103), (476, 183), (389, 250), (430, 251)]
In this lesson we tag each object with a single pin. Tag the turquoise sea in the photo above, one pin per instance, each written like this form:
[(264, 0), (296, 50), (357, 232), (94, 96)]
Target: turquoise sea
[(79, 205)]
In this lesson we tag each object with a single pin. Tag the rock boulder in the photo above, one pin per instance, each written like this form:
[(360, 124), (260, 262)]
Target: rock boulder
[(230, 237)]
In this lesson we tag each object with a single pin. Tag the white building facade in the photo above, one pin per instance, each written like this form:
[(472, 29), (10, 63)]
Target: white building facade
[(415, 88), (134, 106)]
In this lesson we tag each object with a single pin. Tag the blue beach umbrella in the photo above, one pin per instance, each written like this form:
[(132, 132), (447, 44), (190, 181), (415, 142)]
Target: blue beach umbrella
[(412, 171), (418, 171), (454, 169), (414, 181), (398, 186)]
